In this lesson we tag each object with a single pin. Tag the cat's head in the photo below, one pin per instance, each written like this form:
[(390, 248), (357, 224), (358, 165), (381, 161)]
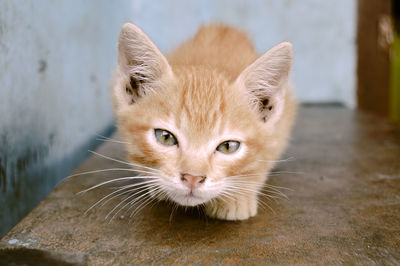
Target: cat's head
[(203, 133)]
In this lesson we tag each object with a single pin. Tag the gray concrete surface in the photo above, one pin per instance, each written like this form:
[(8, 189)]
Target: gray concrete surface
[(343, 208)]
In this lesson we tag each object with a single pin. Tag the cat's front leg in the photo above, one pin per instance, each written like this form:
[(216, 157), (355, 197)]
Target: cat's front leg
[(240, 207)]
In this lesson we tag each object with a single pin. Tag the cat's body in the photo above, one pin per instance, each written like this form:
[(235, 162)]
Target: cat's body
[(209, 121)]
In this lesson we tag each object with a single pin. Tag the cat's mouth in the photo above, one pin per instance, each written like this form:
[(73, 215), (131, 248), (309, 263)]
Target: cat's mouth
[(191, 195), (189, 199)]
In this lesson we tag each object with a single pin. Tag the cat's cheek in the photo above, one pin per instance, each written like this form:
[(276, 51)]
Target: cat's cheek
[(212, 190), (141, 152)]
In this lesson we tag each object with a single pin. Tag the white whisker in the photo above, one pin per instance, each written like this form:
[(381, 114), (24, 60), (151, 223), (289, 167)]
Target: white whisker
[(265, 204), (119, 204), (144, 203), (277, 161), (173, 209), (102, 170), (244, 175), (244, 182), (107, 196), (277, 187), (112, 141), (235, 188), (123, 162), (115, 180), (104, 138), (285, 172), (141, 185), (227, 195), (132, 202)]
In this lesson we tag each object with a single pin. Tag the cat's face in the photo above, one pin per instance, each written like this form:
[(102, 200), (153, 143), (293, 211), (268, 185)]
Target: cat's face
[(190, 132), (196, 133)]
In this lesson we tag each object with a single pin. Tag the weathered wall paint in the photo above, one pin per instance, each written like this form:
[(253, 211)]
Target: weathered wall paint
[(323, 34), (56, 60)]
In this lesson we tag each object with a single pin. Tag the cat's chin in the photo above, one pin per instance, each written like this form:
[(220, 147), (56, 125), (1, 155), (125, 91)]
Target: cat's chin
[(189, 200)]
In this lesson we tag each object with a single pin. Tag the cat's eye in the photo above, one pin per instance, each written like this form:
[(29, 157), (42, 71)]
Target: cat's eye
[(228, 147), (165, 137)]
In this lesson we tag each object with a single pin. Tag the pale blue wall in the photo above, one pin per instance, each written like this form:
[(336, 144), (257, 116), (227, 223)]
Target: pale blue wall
[(56, 59), (323, 34)]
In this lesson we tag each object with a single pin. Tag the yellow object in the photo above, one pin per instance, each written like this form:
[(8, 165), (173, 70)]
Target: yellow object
[(395, 79)]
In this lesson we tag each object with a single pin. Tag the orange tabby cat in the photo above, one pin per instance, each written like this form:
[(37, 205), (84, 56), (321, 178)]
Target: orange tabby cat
[(207, 122)]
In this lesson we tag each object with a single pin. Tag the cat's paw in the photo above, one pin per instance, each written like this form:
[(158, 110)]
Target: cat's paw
[(240, 209)]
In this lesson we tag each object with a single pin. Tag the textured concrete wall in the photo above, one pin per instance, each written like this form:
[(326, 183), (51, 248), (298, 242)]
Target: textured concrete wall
[(323, 33), (56, 59)]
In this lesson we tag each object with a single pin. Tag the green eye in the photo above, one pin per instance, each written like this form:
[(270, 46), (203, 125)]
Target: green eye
[(228, 147), (164, 137)]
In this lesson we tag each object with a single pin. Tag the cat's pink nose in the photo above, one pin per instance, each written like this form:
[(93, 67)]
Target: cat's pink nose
[(192, 181)]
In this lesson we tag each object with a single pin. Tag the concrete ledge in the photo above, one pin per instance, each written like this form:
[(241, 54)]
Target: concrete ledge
[(343, 208)]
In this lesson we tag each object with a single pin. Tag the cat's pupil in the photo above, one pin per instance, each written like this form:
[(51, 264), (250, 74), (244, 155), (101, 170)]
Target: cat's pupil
[(227, 145), (166, 136)]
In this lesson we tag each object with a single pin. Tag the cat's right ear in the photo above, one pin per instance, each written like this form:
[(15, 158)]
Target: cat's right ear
[(266, 81), (141, 66)]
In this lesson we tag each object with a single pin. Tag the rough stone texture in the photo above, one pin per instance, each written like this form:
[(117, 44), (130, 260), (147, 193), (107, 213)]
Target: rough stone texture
[(343, 208)]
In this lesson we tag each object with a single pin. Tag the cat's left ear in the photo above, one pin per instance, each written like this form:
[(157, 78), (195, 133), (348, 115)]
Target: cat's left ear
[(266, 81), (141, 65)]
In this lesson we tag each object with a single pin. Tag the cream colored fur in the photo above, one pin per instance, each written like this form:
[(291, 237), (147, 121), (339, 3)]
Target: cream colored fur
[(209, 90)]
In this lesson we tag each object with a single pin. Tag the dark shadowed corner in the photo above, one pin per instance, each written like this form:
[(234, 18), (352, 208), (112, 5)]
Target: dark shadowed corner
[(26, 177)]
